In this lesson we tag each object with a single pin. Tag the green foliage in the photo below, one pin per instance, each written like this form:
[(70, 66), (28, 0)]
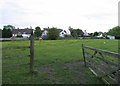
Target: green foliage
[(6, 32), (76, 32), (19, 36), (95, 34), (79, 32), (115, 31), (53, 33), (37, 32), (9, 27), (91, 34)]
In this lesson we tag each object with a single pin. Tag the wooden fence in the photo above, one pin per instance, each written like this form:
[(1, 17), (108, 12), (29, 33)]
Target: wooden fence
[(20, 48), (103, 64)]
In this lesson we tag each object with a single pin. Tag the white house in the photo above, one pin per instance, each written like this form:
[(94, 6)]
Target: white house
[(99, 36), (25, 33), (62, 33), (85, 33), (111, 37)]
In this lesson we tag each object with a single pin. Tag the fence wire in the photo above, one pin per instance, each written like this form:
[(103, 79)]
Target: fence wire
[(15, 55)]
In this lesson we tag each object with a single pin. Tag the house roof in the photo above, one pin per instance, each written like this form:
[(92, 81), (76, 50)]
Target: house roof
[(59, 30), (46, 28), (27, 31)]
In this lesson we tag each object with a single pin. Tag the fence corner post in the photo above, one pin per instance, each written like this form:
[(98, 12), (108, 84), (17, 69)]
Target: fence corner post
[(31, 54), (83, 51)]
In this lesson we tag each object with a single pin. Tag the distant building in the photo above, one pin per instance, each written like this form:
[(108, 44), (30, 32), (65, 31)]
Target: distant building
[(100, 35), (85, 34), (111, 37), (62, 33), (44, 33), (25, 33)]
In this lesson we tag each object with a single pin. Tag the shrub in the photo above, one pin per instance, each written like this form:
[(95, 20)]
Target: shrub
[(53, 33)]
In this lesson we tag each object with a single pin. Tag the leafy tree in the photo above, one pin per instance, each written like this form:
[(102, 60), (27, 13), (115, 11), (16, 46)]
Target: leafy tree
[(37, 32), (76, 32), (6, 32), (115, 31), (95, 34), (53, 33), (91, 34), (10, 27), (79, 32)]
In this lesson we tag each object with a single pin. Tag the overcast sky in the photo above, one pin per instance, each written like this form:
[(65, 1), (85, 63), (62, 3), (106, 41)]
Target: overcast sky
[(90, 15)]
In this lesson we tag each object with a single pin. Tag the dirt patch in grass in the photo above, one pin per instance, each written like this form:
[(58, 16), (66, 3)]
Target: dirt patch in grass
[(49, 70), (81, 73), (74, 65), (46, 69), (72, 72)]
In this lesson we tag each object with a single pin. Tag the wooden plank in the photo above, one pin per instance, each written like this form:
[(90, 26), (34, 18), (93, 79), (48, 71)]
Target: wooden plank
[(106, 61), (93, 72), (103, 51), (115, 65), (103, 59), (105, 81), (113, 79), (105, 76), (97, 70)]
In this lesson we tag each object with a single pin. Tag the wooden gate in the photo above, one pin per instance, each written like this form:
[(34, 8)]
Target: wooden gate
[(103, 64)]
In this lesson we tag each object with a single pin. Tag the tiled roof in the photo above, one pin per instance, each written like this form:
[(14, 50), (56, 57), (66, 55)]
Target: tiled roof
[(27, 31)]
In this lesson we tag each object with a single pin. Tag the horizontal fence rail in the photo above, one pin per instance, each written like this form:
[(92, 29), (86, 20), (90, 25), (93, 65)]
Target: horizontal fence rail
[(103, 64), (19, 56), (103, 51), (18, 47)]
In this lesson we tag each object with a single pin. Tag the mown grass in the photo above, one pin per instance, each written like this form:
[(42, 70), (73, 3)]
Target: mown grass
[(56, 62)]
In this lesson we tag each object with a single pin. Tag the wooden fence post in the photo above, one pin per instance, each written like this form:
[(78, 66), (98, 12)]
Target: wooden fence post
[(31, 54), (83, 51)]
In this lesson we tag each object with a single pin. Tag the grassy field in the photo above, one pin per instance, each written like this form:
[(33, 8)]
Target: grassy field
[(56, 62)]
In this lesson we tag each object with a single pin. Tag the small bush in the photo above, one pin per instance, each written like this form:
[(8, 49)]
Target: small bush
[(19, 36), (53, 34)]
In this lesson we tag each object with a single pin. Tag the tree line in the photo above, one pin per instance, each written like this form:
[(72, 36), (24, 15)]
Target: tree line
[(53, 33)]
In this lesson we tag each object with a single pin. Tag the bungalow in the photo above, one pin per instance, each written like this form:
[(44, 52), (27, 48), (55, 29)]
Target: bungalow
[(62, 33), (111, 37), (100, 36), (85, 34), (25, 33)]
